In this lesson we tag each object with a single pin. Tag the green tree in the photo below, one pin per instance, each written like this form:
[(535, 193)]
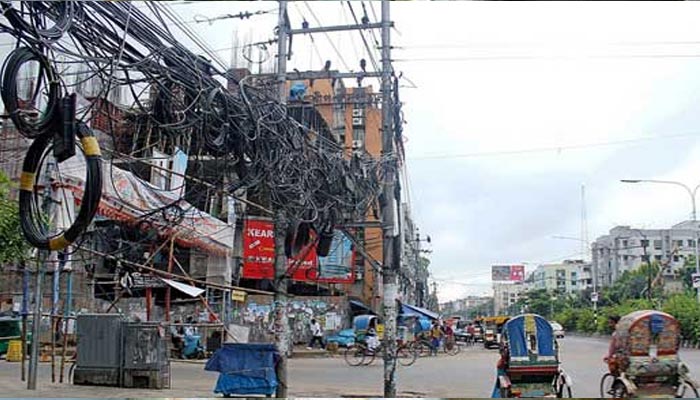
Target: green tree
[(13, 247), (687, 311)]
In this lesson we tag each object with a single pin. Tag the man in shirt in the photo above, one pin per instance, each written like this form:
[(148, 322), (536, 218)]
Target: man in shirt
[(435, 335), (316, 335), (611, 358)]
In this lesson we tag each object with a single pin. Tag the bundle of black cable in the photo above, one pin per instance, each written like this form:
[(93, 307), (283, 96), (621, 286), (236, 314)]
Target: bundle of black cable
[(27, 121), (32, 222)]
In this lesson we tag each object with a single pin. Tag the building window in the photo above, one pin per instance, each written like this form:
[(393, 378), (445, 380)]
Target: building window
[(624, 243), (657, 245), (676, 258), (691, 243), (644, 242), (679, 243), (657, 257)]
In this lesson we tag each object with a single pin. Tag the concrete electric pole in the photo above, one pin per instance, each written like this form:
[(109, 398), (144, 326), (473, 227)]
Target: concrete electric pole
[(389, 194), (281, 326), (388, 210)]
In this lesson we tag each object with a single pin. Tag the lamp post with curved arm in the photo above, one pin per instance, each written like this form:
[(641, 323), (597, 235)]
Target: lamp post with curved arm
[(692, 193)]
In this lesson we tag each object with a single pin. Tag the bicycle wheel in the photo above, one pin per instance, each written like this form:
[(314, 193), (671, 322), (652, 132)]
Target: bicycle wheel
[(564, 391), (452, 348), (606, 383), (406, 355), (370, 356), (423, 349), (355, 356), (687, 391)]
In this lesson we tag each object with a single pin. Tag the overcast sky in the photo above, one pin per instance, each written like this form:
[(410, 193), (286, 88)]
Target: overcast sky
[(516, 105), (613, 87)]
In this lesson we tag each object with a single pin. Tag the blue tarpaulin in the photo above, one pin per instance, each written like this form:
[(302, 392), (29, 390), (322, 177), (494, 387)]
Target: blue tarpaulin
[(514, 330), (244, 369), (408, 310)]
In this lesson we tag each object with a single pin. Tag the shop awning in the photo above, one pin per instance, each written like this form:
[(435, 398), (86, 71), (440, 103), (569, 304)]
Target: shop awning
[(360, 307), (408, 310), (189, 290)]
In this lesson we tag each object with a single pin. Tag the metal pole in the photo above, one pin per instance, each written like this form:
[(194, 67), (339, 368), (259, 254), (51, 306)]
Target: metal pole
[(170, 270), (25, 311), (281, 326), (388, 209), (55, 289), (36, 323)]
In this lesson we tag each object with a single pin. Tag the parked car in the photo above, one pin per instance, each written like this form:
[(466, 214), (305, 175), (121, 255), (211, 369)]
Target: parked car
[(344, 338), (461, 335), (558, 329)]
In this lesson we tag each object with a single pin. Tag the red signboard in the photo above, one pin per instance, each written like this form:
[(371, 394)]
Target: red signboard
[(259, 254), (517, 273)]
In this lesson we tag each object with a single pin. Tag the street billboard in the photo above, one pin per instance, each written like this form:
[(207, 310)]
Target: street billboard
[(259, 256), (508, 273), (259, 253), (337, 267)]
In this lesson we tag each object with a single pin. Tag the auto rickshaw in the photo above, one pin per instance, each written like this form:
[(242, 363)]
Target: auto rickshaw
[(645, 361), (530, 365)]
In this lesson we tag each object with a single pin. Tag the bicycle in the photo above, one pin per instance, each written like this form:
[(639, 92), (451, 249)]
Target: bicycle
[(451, 347), (360, 354)]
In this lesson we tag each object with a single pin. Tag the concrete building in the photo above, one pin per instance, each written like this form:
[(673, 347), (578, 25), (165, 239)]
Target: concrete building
[(623, 249), (505, 295), (568, 276), (413, 277), (463, 306)]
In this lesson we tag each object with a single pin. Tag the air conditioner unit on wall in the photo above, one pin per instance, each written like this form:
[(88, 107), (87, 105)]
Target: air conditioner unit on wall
[(358, 112), (358, 121), (356, 144)]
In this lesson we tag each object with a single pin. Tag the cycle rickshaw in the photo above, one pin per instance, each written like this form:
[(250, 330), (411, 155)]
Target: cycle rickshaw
[(645, 361), (530, 365)]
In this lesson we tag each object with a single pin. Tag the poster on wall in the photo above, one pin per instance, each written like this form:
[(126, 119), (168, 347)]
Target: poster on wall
[(337, 267), (259, 253)]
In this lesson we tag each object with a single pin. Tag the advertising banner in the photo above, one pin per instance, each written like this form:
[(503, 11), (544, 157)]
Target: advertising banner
[(500, 273), (517, 273), (259, 253), (508, 273), (337, 267)]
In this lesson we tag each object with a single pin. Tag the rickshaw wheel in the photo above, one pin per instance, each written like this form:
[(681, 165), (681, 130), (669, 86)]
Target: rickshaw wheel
[(619, 391), (369, 357), (422, 349), (684, 393), (355, 356), (606, 383), (406, 356), (564, 390)]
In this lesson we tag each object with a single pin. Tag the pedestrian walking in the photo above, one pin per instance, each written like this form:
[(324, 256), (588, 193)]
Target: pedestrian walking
[(435, 335), (316, 335)]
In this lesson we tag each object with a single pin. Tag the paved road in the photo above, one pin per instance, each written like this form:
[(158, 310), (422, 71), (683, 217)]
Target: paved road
[(470, 374)]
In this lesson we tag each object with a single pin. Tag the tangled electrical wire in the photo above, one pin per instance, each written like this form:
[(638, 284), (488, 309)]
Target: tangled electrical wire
[(235, 132)]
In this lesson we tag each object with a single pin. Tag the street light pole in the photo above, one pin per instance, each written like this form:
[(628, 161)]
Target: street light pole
[(692, 193)]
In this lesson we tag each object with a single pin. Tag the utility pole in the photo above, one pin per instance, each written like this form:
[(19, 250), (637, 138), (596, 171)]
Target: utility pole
[(388, 210), (36, 322), (281, 327)]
